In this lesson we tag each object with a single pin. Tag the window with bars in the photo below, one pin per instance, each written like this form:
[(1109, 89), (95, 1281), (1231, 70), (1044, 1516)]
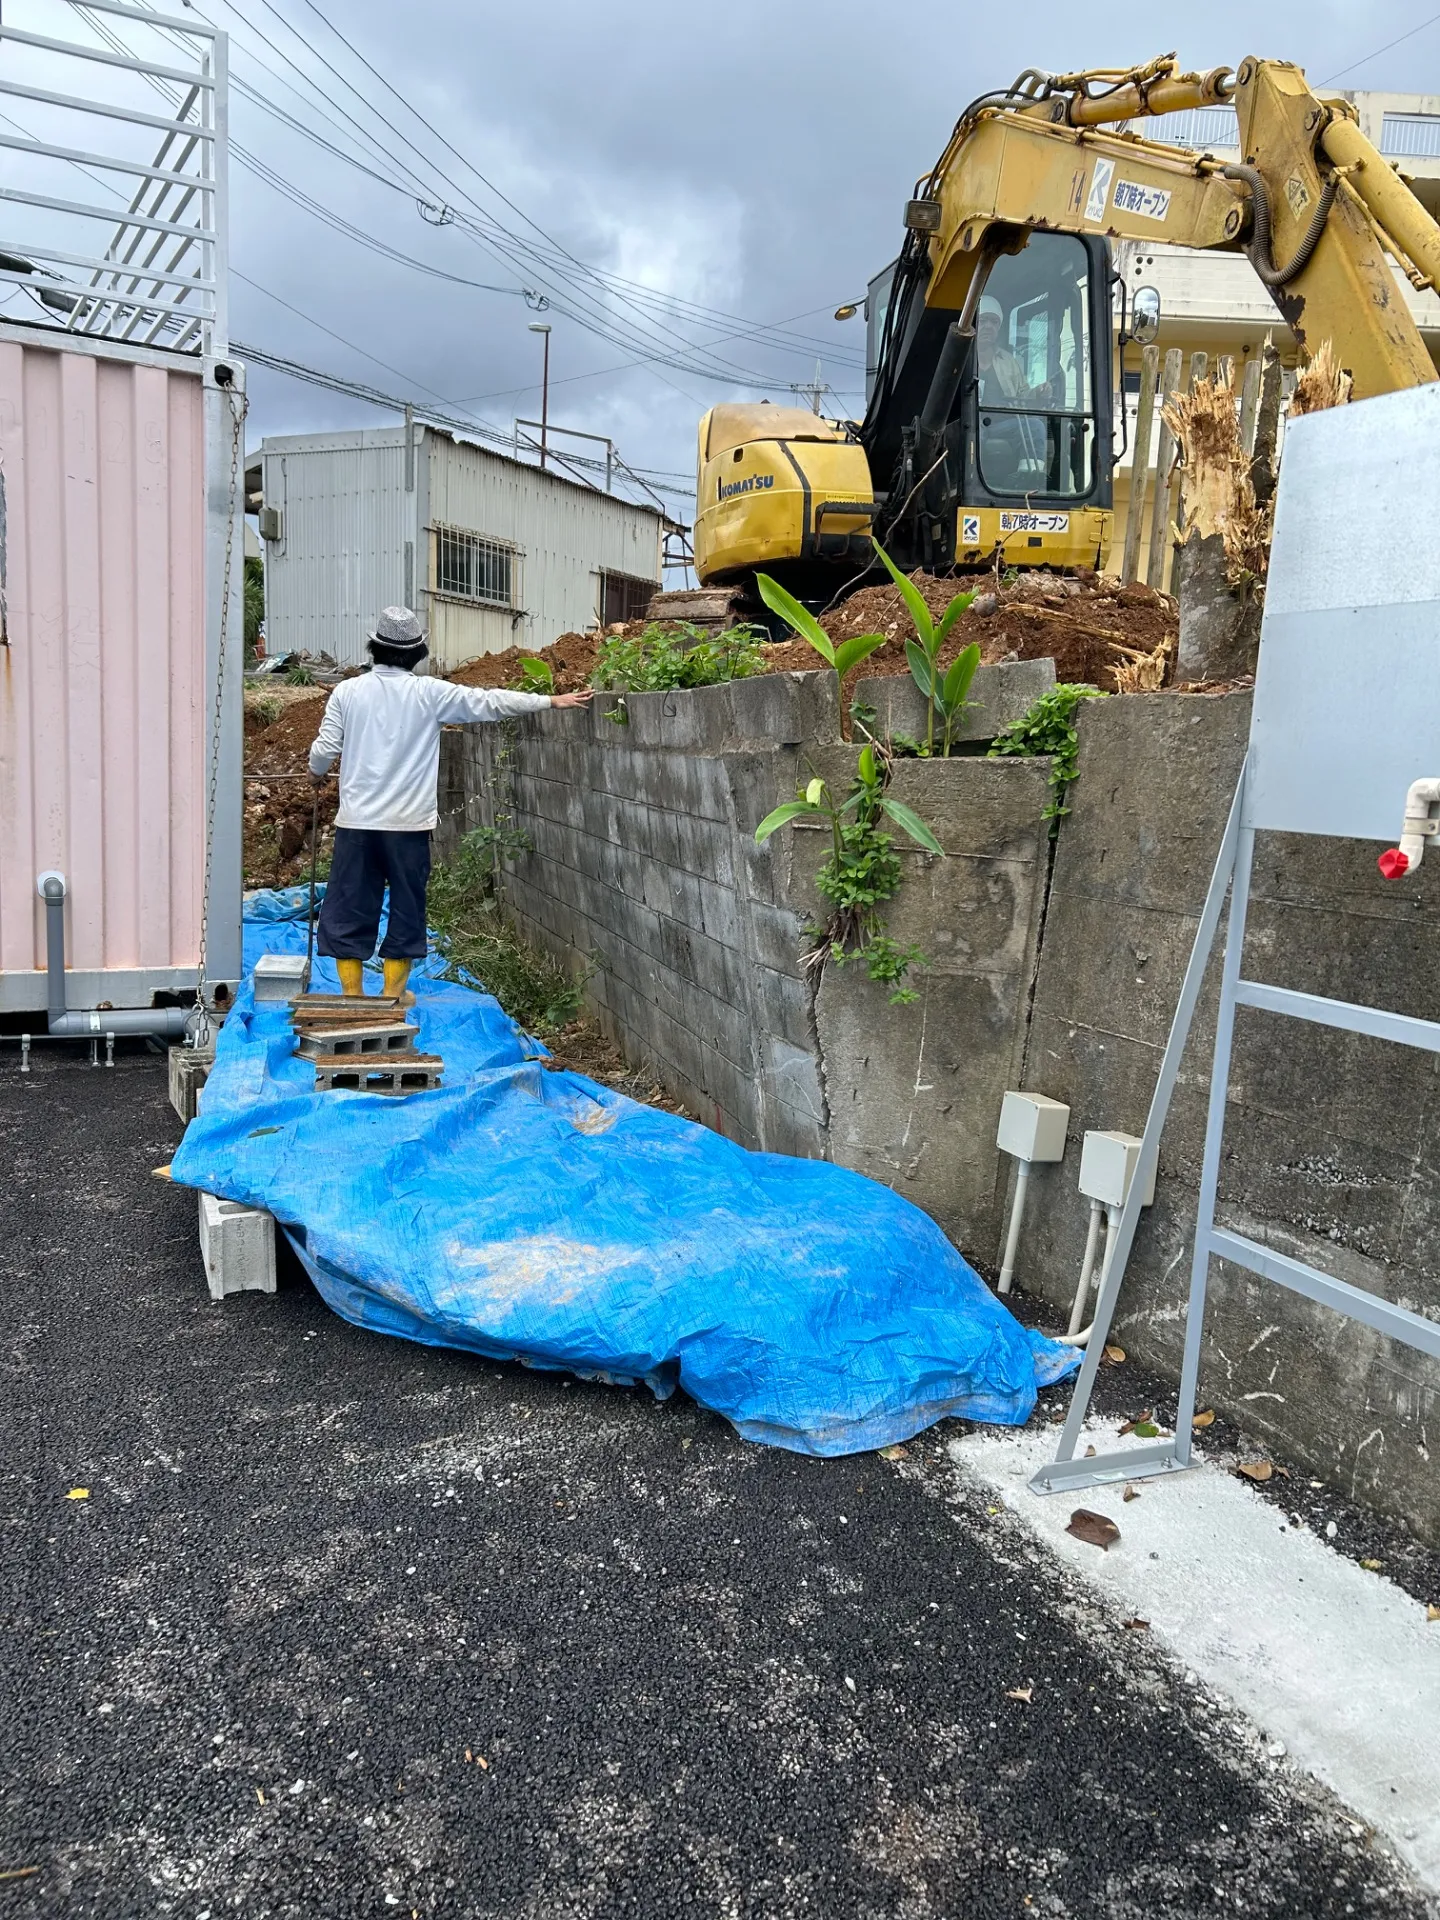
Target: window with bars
[(1204, 128), (1410, 136), (470, 567), (624, 596)]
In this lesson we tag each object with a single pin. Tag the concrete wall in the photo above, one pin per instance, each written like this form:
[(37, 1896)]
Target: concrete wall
[(1332, 1140), (644, 858)]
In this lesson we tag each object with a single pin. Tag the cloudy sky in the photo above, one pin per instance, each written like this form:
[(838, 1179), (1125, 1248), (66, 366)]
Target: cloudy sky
[(693, 190)]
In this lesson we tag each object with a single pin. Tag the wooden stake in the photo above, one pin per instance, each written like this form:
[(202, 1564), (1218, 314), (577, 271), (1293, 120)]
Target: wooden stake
[(1140, 461), (1165, 454)]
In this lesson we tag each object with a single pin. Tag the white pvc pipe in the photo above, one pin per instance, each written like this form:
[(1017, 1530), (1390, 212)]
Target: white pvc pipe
[(1418, 827), (1087, 1268), (1017, 1214), (1112, 1225)]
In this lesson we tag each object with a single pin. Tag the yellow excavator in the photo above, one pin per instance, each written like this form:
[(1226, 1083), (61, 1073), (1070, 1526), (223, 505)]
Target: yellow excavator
[(990, 385)]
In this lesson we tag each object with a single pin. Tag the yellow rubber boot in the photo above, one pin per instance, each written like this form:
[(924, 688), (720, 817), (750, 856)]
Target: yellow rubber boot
[(397, 972), (352, 978)]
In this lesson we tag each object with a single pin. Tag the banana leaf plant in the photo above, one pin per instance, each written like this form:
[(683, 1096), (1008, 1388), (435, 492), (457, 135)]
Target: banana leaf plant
[(946, 691), (867, 797), (800, 620)]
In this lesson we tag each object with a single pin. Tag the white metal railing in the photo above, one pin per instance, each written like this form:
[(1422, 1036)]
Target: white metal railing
[(117, 235)]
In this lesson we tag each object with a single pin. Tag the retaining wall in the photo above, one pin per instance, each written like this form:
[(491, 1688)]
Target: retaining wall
[(1053, 968)]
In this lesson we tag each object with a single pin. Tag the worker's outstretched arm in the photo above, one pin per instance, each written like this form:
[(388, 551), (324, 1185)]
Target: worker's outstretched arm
[(472, 706)]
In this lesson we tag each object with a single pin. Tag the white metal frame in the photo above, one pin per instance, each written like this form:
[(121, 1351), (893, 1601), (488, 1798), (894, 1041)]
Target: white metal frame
[(160, 280), (1343, 720)]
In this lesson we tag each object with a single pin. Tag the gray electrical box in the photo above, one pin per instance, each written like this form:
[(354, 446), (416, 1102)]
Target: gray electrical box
[(272, 523)]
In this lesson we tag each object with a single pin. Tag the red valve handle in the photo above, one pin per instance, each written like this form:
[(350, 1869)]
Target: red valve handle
[(1394, 863)]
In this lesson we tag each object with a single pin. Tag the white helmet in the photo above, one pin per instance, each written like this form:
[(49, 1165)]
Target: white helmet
[(989, 304)]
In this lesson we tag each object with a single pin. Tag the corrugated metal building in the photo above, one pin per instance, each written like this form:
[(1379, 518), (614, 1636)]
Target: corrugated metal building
[(491, 552)]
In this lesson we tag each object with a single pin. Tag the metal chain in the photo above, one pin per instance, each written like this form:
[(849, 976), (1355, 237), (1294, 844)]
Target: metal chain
[(201, 1025)]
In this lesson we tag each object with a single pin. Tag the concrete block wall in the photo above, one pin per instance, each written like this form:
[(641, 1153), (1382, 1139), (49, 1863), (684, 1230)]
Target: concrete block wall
[(1332, 1140), (644, 858)]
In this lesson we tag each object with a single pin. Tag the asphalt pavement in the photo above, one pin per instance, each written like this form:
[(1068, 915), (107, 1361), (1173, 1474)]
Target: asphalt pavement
[(350, 1627)]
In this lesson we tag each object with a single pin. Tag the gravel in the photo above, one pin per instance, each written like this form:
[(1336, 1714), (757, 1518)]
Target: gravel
[(347, 1626)]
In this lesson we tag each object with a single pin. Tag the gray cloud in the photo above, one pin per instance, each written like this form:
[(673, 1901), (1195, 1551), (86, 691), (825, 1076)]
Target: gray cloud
[(752, 159)]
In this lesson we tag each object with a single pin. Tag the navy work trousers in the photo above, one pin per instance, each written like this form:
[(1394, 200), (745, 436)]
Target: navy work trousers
[(360, 868)]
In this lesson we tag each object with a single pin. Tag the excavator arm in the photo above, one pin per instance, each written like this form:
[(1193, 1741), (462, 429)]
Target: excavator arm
[(1313, 204)]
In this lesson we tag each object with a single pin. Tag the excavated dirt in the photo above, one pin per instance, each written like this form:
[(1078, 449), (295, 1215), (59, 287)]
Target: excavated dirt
[(1092, 627), (571, 659), (275, 836)]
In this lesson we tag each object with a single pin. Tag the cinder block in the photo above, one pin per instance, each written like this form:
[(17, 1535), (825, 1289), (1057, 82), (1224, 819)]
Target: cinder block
[(279, 976), (189, 1070), (237, 1244)]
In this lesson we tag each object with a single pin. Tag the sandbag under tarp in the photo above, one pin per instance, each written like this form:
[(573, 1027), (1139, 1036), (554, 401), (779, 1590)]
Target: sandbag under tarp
[(530, 1214)]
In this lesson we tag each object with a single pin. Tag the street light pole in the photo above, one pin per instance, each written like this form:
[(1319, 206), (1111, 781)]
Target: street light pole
[(543, 326)]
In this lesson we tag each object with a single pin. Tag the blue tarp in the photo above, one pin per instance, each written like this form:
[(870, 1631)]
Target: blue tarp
[(530, 1214)]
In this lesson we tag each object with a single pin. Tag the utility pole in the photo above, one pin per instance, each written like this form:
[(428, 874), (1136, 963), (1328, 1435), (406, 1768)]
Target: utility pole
[(543, 327), (815, 389)]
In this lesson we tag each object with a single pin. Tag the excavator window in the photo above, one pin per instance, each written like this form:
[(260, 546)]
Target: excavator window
[(1035, 409)]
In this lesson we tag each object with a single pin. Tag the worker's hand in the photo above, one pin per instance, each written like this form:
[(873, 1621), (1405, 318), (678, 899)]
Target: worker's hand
[(319, 779), (581, 699)]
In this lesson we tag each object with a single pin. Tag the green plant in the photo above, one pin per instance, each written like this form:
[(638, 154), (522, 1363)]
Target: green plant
[(675, 655), (862, 871), (1049, 728), (299, 675), (480, 948), (266, 707), (254, 602), (848, 654), (946, 691), (536, 676)]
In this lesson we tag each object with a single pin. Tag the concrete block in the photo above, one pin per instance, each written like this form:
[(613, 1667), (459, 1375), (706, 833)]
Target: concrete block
[(189, 1069), (788, 709), (1000, 695), (279, 976), (237, 1244)]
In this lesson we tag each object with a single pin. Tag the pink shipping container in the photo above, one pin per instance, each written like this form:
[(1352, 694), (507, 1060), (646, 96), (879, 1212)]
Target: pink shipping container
[(121, 424), (102, 674)]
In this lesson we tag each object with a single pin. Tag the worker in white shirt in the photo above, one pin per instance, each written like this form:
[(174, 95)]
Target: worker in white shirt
[(385, 726)]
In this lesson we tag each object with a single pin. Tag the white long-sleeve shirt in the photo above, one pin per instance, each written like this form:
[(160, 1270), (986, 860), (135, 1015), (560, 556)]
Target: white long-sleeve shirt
[(385, 726)]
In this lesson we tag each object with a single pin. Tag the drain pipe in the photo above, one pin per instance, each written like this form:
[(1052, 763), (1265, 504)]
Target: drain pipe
[(165, 1023)]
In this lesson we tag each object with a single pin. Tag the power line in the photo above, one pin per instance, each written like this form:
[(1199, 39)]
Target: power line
[(1365, 59), (435, 416)]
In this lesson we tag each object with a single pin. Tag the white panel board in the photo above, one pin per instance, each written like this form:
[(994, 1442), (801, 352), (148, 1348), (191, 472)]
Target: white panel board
[(1347, 697)]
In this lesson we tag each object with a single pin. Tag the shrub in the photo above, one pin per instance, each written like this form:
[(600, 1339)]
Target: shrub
[(481, 949), (676, 655)]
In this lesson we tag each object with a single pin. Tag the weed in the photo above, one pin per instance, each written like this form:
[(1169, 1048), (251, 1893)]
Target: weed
[(266, 707), (299, 675), (675, 655), (480, 948), (1049, 728), (536, 676), (863, 870), (945, 691)]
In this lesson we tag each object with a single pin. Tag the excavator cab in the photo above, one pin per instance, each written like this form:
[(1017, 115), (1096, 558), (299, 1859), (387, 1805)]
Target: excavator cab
[(992, 422), (987, 432)]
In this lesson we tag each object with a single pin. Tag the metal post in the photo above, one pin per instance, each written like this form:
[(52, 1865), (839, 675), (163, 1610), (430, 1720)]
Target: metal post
[(543, 327), (1140, 460)]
